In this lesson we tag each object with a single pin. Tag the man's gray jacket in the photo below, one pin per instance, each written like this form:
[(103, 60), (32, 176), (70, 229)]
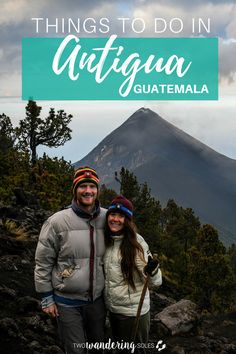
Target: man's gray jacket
[(69, 256)]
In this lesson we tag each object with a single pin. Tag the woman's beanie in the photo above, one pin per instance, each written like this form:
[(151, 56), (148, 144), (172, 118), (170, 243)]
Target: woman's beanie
[(121, 205), (85, 174)]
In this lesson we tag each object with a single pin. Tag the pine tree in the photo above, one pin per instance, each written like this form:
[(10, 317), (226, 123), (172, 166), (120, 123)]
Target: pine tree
[(232, 256), (53, 182), (147, 217), (106, 195), (129, 186), (7, 134), (210, 274), (34, 131), (14, 165)]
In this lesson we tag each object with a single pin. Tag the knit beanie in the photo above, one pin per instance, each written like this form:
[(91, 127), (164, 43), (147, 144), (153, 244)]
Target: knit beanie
[(121, 205), (85, 174)]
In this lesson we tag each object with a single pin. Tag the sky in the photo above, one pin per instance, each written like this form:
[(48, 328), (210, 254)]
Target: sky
[(212, 122)]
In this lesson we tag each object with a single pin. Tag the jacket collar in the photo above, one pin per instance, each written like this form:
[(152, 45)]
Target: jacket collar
[(117, 237), (83, 214)]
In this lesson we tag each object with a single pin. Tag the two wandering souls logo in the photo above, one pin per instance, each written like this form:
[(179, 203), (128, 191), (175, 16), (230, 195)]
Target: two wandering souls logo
[(120, 68)]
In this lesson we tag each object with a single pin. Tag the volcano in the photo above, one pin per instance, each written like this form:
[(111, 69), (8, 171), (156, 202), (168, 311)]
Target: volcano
[(174, 164)]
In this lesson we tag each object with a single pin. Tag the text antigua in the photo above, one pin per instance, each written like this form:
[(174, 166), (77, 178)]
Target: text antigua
[(95, 62)]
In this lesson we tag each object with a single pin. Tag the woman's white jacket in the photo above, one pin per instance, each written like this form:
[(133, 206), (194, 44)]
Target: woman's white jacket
[(119, 296)]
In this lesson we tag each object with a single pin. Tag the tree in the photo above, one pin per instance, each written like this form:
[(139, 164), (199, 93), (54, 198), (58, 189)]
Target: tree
[(14, 165), (180, 227), (34, 131), (232, 256), (210, 274), (53, 186), (7, 134), (106, 195), (129, 186), (147, 216)]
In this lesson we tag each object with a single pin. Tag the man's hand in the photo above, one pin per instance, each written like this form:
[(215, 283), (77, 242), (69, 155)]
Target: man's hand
[(152, 266), (51, 310)]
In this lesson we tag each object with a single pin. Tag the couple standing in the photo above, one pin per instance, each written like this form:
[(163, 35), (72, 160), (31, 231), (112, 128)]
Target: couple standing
[(77, 247)]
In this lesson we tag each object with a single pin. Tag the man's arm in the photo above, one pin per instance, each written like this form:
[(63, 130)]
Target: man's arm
[(45, 258)]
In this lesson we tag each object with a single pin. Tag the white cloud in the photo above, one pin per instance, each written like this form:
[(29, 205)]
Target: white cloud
[(10, 84), (16, 11), (231, 26), (227, 62), (222, 17)]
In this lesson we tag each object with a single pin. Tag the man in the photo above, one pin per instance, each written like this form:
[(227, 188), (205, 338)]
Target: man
[(69, 270)]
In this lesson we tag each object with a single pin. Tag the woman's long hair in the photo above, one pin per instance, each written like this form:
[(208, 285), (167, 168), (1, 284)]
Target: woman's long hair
[(129, 249)]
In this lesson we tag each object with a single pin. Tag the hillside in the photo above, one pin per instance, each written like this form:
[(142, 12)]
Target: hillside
[(26, 329)]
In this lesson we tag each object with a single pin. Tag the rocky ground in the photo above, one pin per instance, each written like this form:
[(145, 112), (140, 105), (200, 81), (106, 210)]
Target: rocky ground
[(24, 328)]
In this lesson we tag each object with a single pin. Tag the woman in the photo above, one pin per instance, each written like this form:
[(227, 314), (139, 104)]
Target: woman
[(127, 262)]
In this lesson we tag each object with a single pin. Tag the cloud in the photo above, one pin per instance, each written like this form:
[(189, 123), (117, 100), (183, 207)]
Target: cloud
[(227, 63), (10, 84), (231, 27), (222, 17), (213, 123), (183, 3), (17, 11)]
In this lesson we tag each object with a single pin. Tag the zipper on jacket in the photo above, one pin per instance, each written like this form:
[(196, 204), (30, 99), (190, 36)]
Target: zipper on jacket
[(91, 262), (108, 276)]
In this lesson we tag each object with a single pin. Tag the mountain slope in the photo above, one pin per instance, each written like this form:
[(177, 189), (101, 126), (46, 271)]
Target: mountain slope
[(174, 164)]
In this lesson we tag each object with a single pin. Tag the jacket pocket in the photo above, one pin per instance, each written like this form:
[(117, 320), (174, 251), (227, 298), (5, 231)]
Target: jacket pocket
[(73, 279)]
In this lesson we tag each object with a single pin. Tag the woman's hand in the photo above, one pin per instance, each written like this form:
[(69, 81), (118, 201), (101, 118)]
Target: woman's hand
[(152, 266)]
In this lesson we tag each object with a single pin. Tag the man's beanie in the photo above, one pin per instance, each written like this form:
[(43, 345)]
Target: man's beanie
[(121, 205), (85, 175)]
